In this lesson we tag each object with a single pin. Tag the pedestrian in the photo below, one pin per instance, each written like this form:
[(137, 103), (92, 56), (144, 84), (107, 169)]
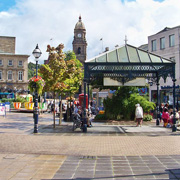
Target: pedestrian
[(139, 115), (165, 116)]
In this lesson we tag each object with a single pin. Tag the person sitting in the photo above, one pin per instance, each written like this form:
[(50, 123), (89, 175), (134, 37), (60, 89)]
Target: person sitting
[(165, 117), (170, 121)]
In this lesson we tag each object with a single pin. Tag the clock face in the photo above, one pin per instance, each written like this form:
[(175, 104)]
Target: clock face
[(79, 35)]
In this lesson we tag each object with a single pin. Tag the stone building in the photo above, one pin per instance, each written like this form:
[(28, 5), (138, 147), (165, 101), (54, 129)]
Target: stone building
[(166, 43), (13, 67)]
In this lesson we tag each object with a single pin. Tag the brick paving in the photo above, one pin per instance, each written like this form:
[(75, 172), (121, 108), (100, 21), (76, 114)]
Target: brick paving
[(113, 150)]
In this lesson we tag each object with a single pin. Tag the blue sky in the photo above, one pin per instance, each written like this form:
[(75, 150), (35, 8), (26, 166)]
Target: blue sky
[(6, 4), (38, 21)]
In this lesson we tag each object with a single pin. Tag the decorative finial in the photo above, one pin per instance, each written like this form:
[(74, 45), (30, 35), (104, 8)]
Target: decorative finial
[(80, 17), (126, 39)]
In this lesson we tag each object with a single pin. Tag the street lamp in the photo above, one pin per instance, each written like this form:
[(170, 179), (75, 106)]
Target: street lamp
[(36, 53)]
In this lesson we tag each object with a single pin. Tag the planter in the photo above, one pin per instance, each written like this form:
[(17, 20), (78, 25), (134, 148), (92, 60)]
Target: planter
[(29, 105), (17, 105), (42, 106)]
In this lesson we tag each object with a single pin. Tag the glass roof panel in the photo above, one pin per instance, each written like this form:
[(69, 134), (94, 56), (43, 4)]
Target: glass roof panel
[(155, 59), (91, 60), (144, 56), (133, 56), (101, 58), (166, 61), (112, 56), (122, 54)]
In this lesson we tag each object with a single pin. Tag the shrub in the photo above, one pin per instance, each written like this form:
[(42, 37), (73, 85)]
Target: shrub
[(100, 117), (19, 99), (147, 117), (7, 100)]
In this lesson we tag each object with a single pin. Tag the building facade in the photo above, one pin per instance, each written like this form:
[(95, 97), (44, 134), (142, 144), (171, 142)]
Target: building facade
[(79, 41), (13, 67), (166, 43)]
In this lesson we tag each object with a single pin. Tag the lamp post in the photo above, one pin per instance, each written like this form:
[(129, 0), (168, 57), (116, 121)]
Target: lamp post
[(36, 53)]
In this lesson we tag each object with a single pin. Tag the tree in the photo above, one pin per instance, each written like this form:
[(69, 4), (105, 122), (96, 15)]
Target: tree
[(123, 103), (32, 69), (74, 74), (54, 72)]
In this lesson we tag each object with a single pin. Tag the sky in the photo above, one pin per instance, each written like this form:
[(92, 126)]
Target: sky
[(53, 21)]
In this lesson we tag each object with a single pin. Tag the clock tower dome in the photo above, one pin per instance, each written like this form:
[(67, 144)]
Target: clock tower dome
[(79, 42)]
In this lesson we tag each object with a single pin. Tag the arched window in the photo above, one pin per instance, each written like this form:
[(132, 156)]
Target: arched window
[(79, 50)]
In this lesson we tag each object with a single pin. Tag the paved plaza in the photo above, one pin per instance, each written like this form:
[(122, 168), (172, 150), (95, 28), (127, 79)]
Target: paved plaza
[(111, 150)]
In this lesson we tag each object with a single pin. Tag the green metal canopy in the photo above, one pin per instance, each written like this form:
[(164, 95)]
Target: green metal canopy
[(128, 62)]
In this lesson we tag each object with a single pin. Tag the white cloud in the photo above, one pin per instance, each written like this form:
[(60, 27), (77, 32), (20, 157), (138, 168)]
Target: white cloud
[(37, 21)]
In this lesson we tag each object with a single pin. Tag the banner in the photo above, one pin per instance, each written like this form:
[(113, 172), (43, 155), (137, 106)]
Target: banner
[(2, 109), (142, 91), (7, 105)]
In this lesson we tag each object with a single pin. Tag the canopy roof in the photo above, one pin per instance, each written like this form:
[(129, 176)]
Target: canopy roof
[(128, 62), (129, 54)]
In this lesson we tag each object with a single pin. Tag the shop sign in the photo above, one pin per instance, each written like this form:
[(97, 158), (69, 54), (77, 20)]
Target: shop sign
[(169, 87)]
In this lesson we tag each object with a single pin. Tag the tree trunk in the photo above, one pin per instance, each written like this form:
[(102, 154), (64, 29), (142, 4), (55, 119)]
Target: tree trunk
[(60, 112)]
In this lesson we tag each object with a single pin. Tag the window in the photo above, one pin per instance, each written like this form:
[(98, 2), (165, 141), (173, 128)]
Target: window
[(9, 75), (1, 62), (79, 50), (10, 62), (162, 43), (171, 40), (0, 75), (20, 75), (153, 45), (20, 63)]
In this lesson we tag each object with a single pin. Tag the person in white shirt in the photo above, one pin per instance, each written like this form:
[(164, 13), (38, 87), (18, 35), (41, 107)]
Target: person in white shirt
[(139, 115)]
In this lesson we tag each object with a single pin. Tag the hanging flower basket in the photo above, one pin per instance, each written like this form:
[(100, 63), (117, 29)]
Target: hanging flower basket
[(36, 83)]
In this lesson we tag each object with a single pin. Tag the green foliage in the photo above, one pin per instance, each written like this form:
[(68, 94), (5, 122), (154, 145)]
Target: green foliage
[(32, 69), (74, 73), (53, 72), (7, 100), (116, 106), (123, 103), (70, 55), (100, 117), (20, 99), (147, 117), (137, 99)]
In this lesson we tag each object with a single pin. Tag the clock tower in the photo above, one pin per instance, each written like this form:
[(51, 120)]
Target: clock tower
[(79, 42)]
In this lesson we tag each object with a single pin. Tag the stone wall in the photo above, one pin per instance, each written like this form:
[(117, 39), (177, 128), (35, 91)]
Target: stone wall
[(7, 44)]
